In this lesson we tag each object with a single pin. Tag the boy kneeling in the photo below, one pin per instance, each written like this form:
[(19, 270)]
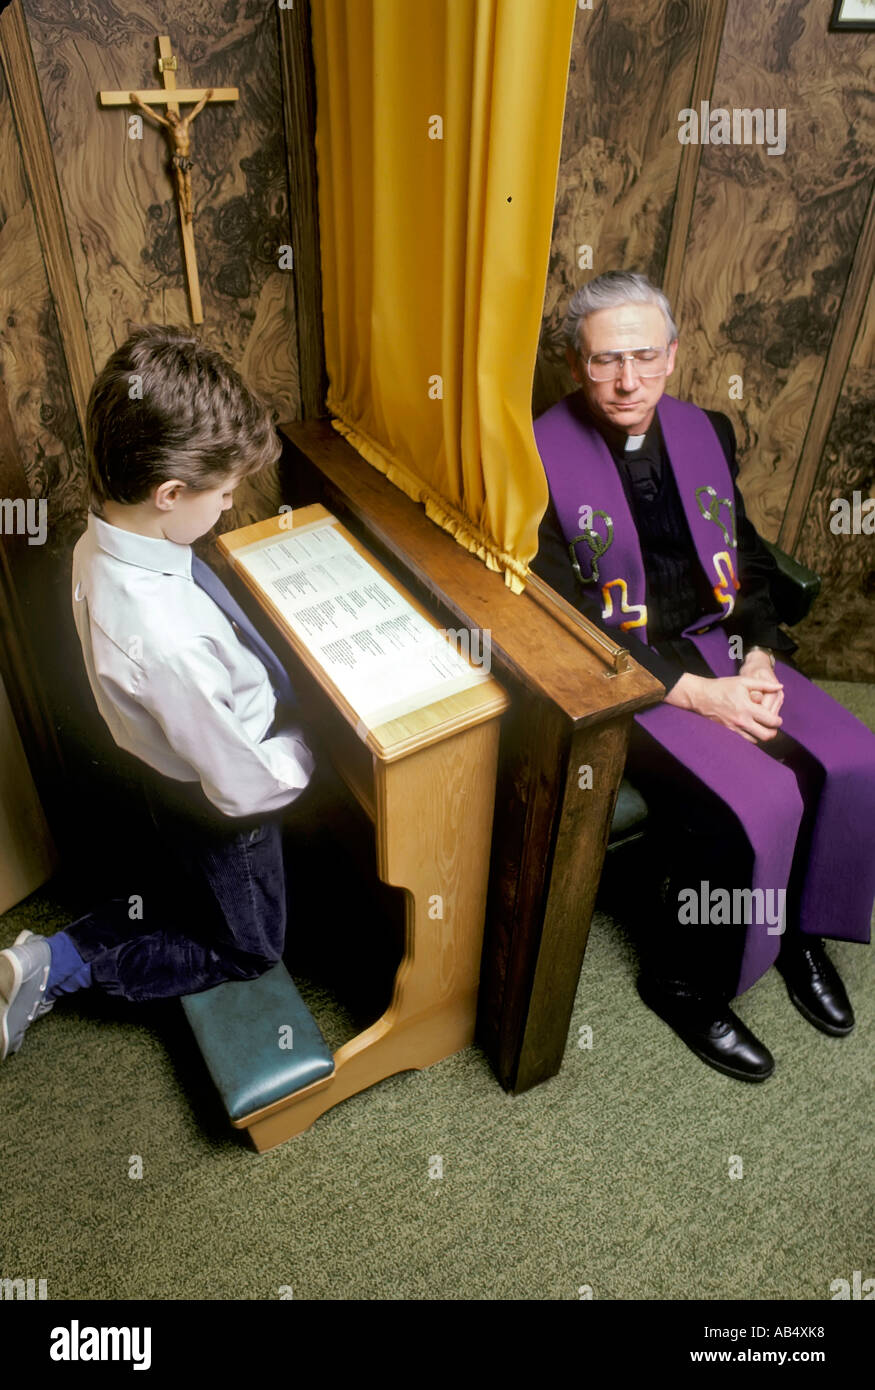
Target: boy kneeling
[(185, 684)]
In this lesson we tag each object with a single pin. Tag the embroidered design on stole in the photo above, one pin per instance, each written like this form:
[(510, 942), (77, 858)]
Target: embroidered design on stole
[(639, 608), (597, 546), (709, 505)]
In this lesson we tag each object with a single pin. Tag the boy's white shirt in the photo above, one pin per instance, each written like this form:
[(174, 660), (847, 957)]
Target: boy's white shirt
[(172, 680)]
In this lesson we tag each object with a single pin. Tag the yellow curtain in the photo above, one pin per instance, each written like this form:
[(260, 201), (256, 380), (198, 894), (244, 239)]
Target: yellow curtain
[(438, 135)]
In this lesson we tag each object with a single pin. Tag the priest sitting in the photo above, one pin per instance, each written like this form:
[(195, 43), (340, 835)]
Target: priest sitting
[(761, 787)]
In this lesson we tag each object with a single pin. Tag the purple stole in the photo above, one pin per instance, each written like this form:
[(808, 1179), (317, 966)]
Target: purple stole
[(763, 794)]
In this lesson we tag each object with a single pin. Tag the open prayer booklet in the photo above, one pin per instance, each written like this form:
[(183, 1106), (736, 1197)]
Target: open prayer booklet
[(384, 657)]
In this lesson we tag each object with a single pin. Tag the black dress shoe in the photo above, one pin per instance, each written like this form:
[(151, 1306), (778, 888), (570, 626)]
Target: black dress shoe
[(814, 986), (710, 1029)]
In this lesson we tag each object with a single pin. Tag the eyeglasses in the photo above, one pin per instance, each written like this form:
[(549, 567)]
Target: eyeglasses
[(647, 361)]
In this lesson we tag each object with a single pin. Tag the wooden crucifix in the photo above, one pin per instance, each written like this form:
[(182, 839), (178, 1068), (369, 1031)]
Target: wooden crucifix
[(177, 130)]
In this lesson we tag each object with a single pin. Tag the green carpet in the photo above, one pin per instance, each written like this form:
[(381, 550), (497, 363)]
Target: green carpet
[(615, 1174)]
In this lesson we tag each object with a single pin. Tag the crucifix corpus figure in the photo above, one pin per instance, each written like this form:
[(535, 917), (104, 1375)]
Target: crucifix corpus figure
[(177, 129), (179, 140)]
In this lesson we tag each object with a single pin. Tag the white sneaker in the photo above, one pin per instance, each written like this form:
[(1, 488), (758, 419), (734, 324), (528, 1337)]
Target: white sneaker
[(45, 1006), (24, 974)]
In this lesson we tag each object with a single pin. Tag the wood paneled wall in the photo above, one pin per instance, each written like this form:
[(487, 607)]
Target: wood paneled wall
[(41, 456), (839, 635), (772, 256), (631, 71), (118, 201), (46, 437)]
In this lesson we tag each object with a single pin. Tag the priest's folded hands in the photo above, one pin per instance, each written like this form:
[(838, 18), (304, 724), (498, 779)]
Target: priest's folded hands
[(747, 703)]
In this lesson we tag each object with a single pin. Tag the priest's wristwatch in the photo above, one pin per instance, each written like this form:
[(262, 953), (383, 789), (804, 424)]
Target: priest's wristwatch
[(768, 651)]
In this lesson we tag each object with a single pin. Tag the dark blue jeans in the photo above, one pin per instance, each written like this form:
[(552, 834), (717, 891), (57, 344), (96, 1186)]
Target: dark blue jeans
[(214, 908)]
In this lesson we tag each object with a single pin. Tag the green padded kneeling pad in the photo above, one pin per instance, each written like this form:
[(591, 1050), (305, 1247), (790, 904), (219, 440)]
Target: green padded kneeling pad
[(242, 1030)]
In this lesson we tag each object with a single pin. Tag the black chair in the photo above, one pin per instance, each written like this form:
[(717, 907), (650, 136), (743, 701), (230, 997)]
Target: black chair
[(794, 589)]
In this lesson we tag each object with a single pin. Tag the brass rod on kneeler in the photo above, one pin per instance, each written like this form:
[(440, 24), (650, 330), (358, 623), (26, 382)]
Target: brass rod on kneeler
[(616, 657)]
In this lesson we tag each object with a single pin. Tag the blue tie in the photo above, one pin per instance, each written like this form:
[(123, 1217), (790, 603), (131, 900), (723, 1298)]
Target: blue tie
[(210, 582)]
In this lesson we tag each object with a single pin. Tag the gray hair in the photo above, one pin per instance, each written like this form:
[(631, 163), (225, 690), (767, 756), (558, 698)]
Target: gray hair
[(609, 291)]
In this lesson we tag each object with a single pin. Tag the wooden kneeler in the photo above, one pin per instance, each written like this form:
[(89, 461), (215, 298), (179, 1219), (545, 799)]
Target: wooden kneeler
[(423, 767)]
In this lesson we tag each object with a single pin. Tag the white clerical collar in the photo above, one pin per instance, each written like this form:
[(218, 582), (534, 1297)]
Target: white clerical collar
[(634, 442), (150, 553)]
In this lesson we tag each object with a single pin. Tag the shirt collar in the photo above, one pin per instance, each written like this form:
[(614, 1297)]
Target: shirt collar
[(616, 438), (650, 445), (148, 553)]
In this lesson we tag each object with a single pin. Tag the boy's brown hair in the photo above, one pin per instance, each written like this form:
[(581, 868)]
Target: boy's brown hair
[(165, 406)]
